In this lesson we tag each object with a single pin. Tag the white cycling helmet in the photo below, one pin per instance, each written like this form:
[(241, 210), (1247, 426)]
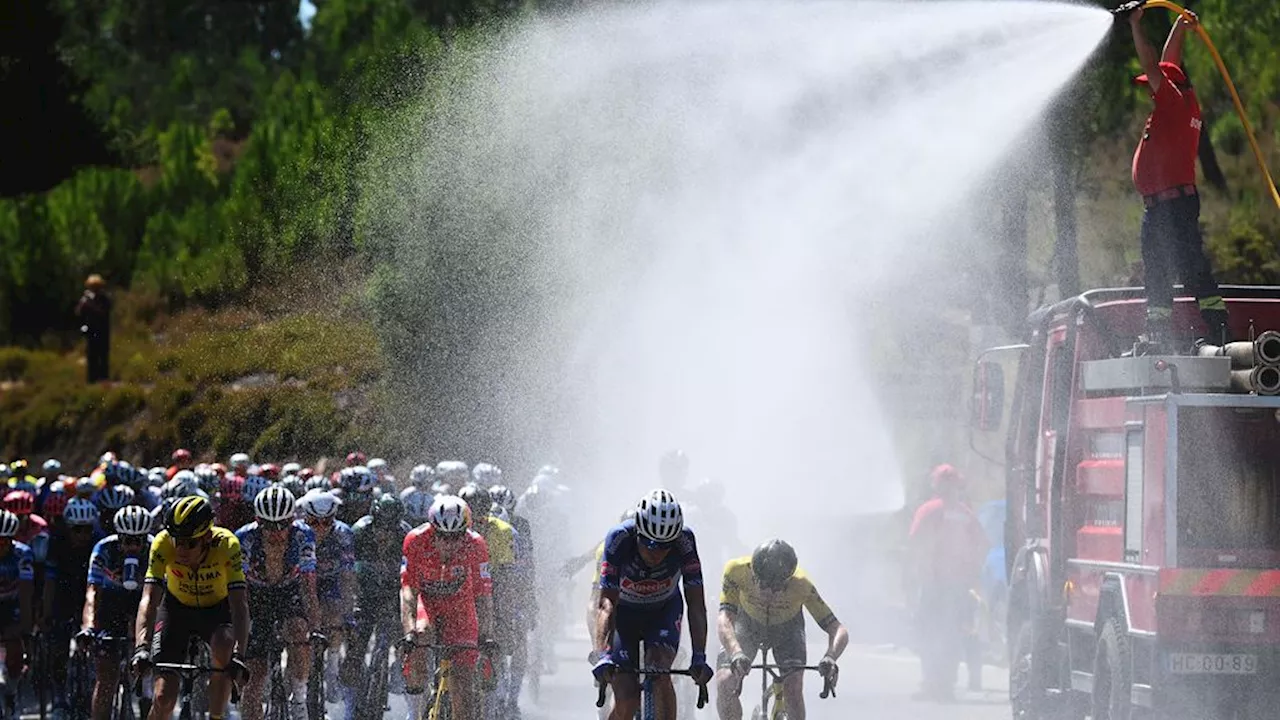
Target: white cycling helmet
[(80, 512), (318, 482), (320, 504), (8, 524), (417, 505), (502, 496), (292, 468), (274, 504), (420, 476), (132, 520), (448, 515), (659, 518), (452, 472), (239, 460), (52, 466), (189, 480), (378, 466), (486, 474)]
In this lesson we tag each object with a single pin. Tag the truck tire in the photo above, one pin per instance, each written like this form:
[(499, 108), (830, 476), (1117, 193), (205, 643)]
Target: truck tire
[(1028, 693), (1112, 673)]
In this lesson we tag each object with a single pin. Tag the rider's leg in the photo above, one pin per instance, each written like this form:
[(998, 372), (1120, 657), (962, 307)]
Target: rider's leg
[(415, 680), (13, 662), (166, 696), (657, 657), (626, 696), (465, 687), (728, 688), (251, 696), (299, 653), (793, 693), (221, 644), (107, 671)]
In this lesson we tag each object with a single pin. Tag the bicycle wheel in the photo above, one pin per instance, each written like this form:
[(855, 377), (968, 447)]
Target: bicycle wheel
[(122, 703), (277, 696), (79, 686), (315, 685)]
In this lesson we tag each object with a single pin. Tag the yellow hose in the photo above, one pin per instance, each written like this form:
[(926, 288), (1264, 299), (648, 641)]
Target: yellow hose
[(1235, 97)]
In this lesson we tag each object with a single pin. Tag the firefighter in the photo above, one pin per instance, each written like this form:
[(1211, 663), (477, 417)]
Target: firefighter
[(1164, 173), (946, 547)]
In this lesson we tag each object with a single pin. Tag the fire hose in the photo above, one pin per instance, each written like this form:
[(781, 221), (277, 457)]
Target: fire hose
[(1222, 68)]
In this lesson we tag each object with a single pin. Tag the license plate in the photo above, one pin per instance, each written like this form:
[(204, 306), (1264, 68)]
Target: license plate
[(1213, 664)]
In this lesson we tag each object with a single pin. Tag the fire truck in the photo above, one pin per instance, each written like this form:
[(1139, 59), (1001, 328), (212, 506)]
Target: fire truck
[(1142, 532)]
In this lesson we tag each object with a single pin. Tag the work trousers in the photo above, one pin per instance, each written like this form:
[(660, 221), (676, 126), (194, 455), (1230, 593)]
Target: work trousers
[(1172, 248)]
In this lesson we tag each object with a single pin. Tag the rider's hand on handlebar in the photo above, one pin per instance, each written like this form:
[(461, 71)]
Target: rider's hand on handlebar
[(828, 669), (604, 668), (699, 670), (239, 670), (141, 659), (740, 664)]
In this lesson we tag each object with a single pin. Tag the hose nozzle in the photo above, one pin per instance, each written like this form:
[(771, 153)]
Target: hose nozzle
[(1125, 9)]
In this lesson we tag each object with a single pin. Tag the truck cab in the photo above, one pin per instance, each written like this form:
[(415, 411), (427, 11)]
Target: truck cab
[(1142, 531)]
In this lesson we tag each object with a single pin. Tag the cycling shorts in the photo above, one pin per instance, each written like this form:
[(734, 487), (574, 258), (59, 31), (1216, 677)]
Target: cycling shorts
[(455, 624), (657, 626), (10, 612), (267, 607), (784, 640), (329, 589), (116, 611), (176, 623)]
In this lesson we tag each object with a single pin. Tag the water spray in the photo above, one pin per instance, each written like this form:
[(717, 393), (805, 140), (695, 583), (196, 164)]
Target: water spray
[(1123, 12)]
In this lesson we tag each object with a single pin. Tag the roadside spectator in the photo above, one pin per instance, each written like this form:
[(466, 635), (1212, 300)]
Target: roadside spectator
[(94, 311)]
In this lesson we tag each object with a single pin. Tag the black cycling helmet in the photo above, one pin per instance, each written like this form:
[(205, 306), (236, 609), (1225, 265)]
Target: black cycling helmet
[(387, 510), (773, 563), (476, 498), (189, 517)]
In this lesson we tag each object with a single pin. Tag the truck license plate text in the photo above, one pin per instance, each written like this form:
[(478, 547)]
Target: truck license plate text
[(1213, 663)]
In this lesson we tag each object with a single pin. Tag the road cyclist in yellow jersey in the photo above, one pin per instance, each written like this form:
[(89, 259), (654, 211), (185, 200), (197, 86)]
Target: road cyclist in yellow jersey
[(195, 586), (500, 537), (762, 602)]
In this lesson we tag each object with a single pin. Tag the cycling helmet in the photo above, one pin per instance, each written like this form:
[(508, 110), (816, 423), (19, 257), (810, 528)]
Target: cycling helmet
[(155, 477), (20, 502), (253, 485), (175, 488), (107, 458), (377, 466), (292, 468), (500, 512), (113, 498), (452, 472), (274, 504), (86, 487), (54, 503), (294, 485), (190, 517), (132, 520), (357, 479), (188, 479), (181, 457), (207, 479), (420, 476), (387, 510), (80, 512), (8, 524), (658, 517), (231, 487), (219, 468), (503, 497), (4, 472), (417, 505), (355, 458), (306, 473), (486, 474), (318, 482), (449, 515), (773, 564), (476, 498), (673, 467), (270, 471), (945, 477), (18, 468), (320, 504), (51, 467), (239, 462)]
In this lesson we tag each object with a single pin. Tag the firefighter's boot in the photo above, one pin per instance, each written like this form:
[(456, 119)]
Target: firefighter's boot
[(1217, 332)]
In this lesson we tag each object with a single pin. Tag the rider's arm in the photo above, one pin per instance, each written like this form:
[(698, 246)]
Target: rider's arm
[(484, 587), (26, 588), (837, 634), (695, 598), (152, 592), (90, 604), (409, 572), (238, 599), (725, 630), (604, 618), (837, 640)]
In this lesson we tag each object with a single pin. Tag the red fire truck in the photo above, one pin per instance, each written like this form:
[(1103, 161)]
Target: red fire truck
[(1142, 535)]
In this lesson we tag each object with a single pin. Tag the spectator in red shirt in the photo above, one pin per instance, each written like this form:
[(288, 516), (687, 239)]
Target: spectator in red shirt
[(1164, 173), (947, 546)]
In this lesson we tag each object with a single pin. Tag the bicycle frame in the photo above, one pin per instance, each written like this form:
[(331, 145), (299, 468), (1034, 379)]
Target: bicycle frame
[(646, 688), (771, 678), (122, 696), (188, 674), (373, 703)]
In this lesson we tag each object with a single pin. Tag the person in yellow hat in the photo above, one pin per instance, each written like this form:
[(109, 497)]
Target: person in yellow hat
[(94, 311)]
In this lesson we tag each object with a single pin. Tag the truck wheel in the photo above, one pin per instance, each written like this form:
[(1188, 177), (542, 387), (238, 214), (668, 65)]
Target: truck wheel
[(1112, 673), (1027, 691)]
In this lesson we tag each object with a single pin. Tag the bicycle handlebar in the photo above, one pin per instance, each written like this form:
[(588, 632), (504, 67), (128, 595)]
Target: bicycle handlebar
[(603, 687), (189, 672), (781, 671)]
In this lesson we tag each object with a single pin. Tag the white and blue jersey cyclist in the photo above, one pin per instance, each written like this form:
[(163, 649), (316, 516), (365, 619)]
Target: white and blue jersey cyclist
[(645, 561)]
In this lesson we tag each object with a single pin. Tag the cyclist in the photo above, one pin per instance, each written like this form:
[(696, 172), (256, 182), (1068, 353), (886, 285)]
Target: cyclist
[(356, 485), (420, 477), (20, 477), (486, 475), (355, 458), (279, 566), (378, 580), (50, 473), (449, 476), (17, 575), (335, 574), (65, 580), (116, 571), (500, 538), (111, 499), (446, 587), (239, 464), (417, 505), (181, 461), (383, 479), (525, 613), (194, 586), (762, 600), (645, 560), (235, 509)]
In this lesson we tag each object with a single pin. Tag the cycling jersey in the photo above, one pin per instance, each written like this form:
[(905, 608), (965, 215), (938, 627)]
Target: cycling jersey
[(221, 571), (336, 553), (462, 578), (500, 537), (739, 592), (595, 575), (377, 568), (16, 566), (110, 570), (623, 569), (68, 563), (33, 526), (299, 555)]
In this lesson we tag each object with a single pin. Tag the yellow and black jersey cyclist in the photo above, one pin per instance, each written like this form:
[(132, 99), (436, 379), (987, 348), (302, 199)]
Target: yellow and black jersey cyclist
[(762, 602), (195, 585)]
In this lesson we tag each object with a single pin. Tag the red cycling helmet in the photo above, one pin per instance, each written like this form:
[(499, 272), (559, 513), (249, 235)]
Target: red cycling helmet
[(945, 476), (20, 502), (306, 473), (54, 503), (355, 458), (219, 468), (270, 471), (181, 455), (231, 487)]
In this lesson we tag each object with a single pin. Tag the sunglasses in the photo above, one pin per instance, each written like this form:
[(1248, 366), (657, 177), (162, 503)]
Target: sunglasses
[(133, 540), (319, 521), (275, 525), (189, 543), (80, 529), (659, 546)]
